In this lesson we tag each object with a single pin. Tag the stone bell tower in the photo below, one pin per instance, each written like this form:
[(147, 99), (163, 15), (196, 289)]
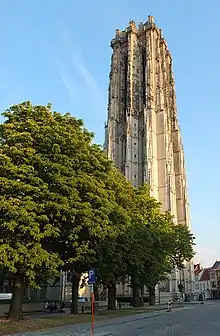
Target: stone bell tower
[(142, 135)]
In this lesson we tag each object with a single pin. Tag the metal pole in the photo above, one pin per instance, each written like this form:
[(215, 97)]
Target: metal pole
[(64, 286), (61, 286), (93, 312), (181, 293)]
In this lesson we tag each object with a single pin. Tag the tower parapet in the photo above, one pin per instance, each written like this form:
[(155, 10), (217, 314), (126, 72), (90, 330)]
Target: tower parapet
[(121, 35)]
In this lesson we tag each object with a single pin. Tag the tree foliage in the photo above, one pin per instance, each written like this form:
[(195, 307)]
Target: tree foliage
[(183, 245), (26, 201), (54, 198)]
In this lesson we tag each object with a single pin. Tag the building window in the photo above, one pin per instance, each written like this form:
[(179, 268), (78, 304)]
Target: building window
[(135, 143), (212, 275), (135, 155), (213, 284), (135, 176)]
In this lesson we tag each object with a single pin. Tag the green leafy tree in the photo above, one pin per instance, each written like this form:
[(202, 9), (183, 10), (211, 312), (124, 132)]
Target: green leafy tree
[(183, 249), (184, 243), (138, 248), (172, 245), (161, 261), (165, 245), (93, 209), (27, 204), (125, 254), (146, 251), (53, 197), (99, 219), (108, 256)]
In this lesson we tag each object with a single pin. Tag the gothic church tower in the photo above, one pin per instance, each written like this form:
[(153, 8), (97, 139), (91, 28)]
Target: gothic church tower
[(142, 135)]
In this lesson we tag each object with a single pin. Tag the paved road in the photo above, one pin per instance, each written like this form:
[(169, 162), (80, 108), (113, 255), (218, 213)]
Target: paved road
[(192, 320)]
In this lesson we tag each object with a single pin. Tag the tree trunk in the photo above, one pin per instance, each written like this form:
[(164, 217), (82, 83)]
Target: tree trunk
[(142, 295), (75, 289), (112, 296), (2, 283), (136, 296), (151, 295), (96, 292), (15, 309)]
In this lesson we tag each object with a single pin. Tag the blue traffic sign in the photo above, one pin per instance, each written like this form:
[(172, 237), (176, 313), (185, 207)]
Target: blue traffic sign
[(91, 280)]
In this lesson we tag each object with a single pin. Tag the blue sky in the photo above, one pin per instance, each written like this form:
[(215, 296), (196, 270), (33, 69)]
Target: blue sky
[(58, 51)]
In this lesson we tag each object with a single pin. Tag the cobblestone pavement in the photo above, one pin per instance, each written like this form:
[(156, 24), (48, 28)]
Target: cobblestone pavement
[(191, 320)]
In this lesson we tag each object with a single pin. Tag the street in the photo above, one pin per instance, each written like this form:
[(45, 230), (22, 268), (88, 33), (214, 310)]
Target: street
[(191, 320)]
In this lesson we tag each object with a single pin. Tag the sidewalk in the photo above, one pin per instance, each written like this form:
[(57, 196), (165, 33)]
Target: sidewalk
[(102, 321), (84, 329)]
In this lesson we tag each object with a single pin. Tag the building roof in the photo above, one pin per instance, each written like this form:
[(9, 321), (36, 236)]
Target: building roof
[(205, 276), (215, 266)]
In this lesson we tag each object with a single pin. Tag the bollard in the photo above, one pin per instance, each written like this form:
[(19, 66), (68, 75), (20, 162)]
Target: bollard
[(169, 306), (83, 309)]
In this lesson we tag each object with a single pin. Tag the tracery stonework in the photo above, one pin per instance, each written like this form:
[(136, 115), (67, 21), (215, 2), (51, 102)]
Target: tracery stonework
[(142, 133)]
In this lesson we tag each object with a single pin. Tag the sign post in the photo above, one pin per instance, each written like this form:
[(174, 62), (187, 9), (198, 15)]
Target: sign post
[(91, 282)]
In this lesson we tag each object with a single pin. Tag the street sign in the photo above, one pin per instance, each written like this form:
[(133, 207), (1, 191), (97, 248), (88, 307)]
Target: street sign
[(91, 280)]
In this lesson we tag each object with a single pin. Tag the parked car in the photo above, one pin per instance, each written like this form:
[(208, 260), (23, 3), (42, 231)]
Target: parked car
[(81, 299), (5, 296)]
